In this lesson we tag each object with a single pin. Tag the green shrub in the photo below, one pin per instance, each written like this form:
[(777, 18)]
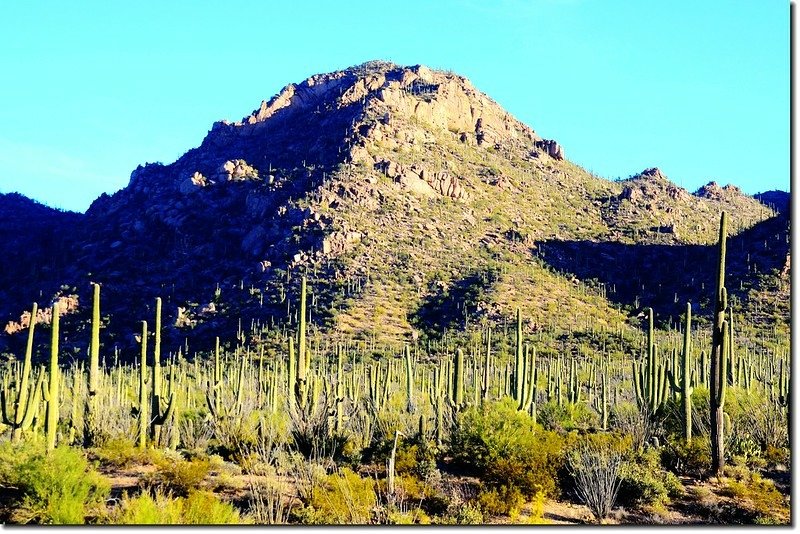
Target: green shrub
[(55, 487), (414, 516), (645, 482), (342, 498), (413, 458), (758, 496), (204, 508), (629, 420), (508, 449), (691, 458), (178, 475), (199, 508), (121, 453), (567, 416), (463, 514), (505, 500), (553, 417), (777, 456)]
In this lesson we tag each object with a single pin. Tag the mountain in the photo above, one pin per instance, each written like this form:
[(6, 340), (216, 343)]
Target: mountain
[(415, 204)]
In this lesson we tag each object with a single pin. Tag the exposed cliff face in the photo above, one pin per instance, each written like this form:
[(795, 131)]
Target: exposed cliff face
[(391, 184)]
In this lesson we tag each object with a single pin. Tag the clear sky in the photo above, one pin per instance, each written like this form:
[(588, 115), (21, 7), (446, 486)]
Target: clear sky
[(699, 88)]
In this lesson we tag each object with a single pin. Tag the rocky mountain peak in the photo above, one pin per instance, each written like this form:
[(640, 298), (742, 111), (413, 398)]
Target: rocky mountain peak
[(387, 182)]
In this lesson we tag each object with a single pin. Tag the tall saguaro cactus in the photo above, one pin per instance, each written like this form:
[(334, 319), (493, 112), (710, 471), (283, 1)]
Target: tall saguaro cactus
[(682, 383), (51, 392), (158, 417), (90, 412), (143, 419), (409, 379), (719, 347), (301, 383), (18, 413), (518, 361), (458, 379), (686, 384)]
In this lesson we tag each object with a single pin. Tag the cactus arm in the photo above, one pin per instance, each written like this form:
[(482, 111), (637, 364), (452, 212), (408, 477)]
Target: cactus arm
[(161, 418), (32, 406)]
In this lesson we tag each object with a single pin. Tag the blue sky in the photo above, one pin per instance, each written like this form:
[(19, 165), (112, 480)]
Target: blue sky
[(91, 89)]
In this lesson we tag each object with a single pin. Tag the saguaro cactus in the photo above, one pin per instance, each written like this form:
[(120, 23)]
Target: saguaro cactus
[(458, 379), (22, 409), (682, 383), (409, 379), (719, 350), (488, 368), (51, 392), (143, 419), (213, 395), (518, 361), (649, 378), (158, 417), (686, 380), (90, 411), (303, 362)]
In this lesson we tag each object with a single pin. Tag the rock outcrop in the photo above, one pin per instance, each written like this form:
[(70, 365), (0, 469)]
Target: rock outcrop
[(551, 148), (423, 181)]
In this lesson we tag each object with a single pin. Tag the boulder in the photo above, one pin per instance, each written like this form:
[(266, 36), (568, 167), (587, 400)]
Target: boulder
[(237, 170), (193, 183), (551, 148)]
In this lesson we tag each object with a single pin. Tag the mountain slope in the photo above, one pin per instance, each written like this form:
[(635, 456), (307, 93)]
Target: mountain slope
[(414, 202)]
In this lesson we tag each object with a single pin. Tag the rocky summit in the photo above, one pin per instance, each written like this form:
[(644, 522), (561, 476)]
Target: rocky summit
[(414, 203)]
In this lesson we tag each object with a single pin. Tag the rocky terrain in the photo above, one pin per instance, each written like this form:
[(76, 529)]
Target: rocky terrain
[(414, 203)]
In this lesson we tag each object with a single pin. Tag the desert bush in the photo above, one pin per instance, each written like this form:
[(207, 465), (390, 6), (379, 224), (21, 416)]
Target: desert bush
[(503, 500), (414, 516), (762, 420), (465, 514), (566, 417), (177, 475), (595, 463), (232, 431), (199, 508), (259, 456), (312, 434), (701, 412), (55, 487), (629, 420), (342, 498), (693, 458), (553, 416), (774, 456), (121, 453), (195, 429), (645, 482), (507, 448), (758, 496), (270, 502), (412, 457)]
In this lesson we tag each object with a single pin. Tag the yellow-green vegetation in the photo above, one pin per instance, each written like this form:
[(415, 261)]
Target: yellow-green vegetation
[(758, 496), (179, 476), (56, 487), (342, 498), (121, 453), (462, 425), (159, 508), (516, 459)]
